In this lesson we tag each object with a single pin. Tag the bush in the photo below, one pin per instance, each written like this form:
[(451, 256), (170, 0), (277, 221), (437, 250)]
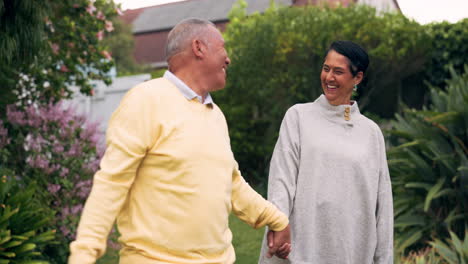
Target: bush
[(429, 167), (448, 49), (47, 46), (60, 150), (23, 222), (452, 251)]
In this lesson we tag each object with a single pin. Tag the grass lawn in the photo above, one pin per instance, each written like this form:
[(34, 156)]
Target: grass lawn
[(246, 240)]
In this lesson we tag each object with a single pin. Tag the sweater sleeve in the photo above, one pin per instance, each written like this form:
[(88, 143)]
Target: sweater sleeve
[(384, 212), (283, 174), (284, 164), (128, 137), (252, 208)]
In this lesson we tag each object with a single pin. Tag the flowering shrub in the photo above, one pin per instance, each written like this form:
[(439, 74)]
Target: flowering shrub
[(47, 45), (60, 150)]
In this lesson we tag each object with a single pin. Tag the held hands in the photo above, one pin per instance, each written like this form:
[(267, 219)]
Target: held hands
[(279, 243)]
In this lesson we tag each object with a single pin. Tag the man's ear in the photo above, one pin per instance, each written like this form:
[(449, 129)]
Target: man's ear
[(198, 48)]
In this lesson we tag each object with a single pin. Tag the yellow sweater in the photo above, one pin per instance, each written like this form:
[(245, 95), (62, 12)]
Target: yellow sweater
[(170, 179)]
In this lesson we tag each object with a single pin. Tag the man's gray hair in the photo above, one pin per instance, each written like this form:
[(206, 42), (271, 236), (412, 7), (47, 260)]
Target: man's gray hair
[(183, 33)]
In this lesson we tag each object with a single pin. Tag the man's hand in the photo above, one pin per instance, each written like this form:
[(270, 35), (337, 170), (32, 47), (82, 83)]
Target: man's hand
[(279, 243)]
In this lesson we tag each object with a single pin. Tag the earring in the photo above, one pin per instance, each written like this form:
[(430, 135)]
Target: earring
[(355, 88)]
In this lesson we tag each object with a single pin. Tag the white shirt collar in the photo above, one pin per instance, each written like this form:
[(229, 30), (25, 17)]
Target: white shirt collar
[(185, 90)]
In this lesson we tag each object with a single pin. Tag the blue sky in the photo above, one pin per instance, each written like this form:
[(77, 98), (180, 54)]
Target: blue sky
[(423, 11)]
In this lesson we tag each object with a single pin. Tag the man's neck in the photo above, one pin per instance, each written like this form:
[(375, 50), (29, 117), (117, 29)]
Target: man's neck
[(191, 80)]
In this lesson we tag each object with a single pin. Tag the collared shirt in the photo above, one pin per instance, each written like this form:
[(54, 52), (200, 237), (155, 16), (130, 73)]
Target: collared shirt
[(185, 90)]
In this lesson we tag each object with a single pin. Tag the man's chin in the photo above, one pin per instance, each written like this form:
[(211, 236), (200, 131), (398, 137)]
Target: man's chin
[(219, 87)]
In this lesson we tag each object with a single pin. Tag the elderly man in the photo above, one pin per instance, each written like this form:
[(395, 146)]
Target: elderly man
[(169, 176)]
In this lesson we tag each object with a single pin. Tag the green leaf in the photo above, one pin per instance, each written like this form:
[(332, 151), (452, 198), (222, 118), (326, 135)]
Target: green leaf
[(421, 185), (8, 213), (409, 220), (29, 233), (465, 244), (432, 193), (456, 242), (408, 239), (445, 192), (8, 254), (447, 253), (5, 239), (33, 262), (20, 237), (24, 248), (13, 243), (443, 117)]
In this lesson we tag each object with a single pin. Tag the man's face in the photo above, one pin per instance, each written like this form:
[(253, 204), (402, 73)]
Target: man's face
[(217, 61)]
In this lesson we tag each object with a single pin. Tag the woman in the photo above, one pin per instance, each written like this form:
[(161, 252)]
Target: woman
[(329, 172)]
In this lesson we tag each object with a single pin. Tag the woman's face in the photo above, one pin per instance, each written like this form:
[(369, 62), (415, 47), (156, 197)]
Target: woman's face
[(337, 79)]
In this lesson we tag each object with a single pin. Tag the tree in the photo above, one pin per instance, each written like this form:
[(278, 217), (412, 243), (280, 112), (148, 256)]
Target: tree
[(121, 44), (50, 45), (21, 33)]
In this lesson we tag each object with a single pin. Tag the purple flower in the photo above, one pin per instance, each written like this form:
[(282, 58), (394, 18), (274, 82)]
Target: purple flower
[(65, 230), (34, 143), (53, 188), (65, 147), (76, 209), (15, 116), (83, 188), (113, 245), (65, 212), (40, 162), (64, 172), (75, 150), (58, 148)]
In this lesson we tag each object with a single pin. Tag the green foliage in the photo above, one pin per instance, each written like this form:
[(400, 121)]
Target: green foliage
[(57, 148), (23, 222), (50, 45), (448, 48), (21, 44), (276, 62), (429, 167), (158, 73), (426, 256), (21, 35), (121, 44), (453, 251)]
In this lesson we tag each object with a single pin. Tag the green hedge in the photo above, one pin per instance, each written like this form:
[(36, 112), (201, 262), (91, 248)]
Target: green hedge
[(449, 48)]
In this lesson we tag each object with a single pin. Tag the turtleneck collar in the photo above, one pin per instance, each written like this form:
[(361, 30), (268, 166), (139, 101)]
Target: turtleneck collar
[(342, 114)]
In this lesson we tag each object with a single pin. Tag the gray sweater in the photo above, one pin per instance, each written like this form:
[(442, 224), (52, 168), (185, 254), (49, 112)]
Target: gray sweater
[(330, 176)]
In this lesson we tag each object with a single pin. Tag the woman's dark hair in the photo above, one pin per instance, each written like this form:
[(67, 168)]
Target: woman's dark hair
[(357, 56)]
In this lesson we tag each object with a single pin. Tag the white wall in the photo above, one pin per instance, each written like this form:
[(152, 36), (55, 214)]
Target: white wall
[(380, 5), (105, 100)]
